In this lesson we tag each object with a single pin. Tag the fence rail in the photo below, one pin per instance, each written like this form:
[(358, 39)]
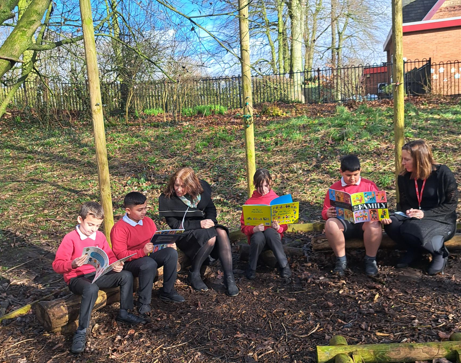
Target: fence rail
[(322, 85)]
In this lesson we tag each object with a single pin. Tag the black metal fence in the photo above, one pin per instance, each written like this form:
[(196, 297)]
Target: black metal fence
[(322, 85)]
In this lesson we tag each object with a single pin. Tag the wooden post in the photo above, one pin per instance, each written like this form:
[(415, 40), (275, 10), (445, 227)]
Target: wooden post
[(98, 119), (247, 94), (399, 89)]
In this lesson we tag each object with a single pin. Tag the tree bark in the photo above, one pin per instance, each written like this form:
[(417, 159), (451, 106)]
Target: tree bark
[(6, 9), (98, 118), (247, 94)]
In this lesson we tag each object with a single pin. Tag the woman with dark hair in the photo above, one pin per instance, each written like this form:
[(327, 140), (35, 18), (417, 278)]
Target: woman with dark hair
[(262, 237), (186, 203), (428, 200)]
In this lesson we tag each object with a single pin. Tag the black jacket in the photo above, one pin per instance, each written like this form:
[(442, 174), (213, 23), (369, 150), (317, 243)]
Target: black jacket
[(447, 194), (173, 209)]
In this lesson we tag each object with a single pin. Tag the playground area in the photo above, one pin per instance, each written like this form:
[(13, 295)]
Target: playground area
[(48, 170)]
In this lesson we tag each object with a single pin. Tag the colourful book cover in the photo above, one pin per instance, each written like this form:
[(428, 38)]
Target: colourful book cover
[(282, 209), (359, 207), (166, 237)]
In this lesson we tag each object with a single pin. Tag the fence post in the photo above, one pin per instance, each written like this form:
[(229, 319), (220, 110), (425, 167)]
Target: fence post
[(318, 83)]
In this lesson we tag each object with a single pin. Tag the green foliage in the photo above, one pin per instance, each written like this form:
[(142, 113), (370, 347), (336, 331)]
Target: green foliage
[(153, 111), (204, 110), (272, 110)]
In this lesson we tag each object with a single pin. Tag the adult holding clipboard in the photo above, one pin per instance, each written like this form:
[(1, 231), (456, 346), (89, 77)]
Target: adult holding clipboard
[(428, 200), (186, 203)]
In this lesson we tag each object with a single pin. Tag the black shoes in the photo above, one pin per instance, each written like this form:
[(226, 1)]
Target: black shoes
[(340, 267), (78, 342), (144, 309), (439, 261), (409, 256), (285, 272), (172, 296), (250, 274), (196, 281), (130, 319), (229, 283), (371, 268)]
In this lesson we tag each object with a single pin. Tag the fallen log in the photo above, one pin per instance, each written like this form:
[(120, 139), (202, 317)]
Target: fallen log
[(320, 243), (237, 235), (394, 352)]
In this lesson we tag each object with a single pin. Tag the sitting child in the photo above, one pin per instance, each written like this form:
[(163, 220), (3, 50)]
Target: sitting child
[(70, 261), (338, 230), (262, 237), (132, 234)]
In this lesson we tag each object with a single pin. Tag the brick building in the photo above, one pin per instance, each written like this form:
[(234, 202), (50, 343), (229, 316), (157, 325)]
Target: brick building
[(432, 30)]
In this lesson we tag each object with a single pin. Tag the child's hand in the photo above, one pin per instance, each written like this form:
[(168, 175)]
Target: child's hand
[(118, 267), (275, 225), (148, 248), (331, 212), (79, 261), (386, 221), (206, 223), (258, 228)]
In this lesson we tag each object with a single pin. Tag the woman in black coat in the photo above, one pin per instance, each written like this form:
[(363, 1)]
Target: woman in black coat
[(428, 200), (186, 203)]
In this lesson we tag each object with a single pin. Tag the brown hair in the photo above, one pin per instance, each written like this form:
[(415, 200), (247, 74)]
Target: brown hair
[(261, 176), (191, 182), (93, 209), (423, 162)]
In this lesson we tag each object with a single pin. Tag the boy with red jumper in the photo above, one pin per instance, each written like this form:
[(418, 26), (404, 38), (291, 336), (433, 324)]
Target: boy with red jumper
[(132, 234), (338, 230), (69, 262), (262, 237)]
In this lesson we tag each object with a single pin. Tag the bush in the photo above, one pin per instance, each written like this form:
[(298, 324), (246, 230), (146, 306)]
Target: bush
[(153, 111), (204, 110)]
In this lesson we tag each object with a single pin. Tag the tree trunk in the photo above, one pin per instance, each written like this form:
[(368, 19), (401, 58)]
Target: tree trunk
[(247, 94), (280, 33), (399, 90), (98, 118), (296, 49), (267, 30)]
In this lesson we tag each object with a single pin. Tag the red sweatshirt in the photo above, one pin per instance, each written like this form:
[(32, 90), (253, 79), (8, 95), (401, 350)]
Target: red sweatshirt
[(365, 186), (127, 239), (257, 198), (72, 247)]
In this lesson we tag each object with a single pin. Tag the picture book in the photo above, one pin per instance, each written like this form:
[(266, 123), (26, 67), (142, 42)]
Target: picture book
[(165, 237), (98, 258), (359, 207), (281, 209)]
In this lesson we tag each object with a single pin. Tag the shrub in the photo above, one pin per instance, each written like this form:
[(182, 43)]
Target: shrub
[(204, 110), (153, 111)]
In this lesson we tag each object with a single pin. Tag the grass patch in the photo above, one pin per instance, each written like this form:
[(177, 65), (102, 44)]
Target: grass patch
[(46, 174)]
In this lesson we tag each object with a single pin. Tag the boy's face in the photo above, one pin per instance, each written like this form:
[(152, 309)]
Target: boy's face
[(350, 177), (137, 212), (89, 225)]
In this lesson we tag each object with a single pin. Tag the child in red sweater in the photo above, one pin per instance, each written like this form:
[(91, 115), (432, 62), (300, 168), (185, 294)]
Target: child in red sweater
[(132, 234), (338, 230), (69, 262), (262, 237)]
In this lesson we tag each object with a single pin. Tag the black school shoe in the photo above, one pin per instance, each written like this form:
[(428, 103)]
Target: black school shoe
[(439, 262), (340, 268), (78, 342), (231, 288), (130, 319), (250, 274), (285, 272), (172, 296)]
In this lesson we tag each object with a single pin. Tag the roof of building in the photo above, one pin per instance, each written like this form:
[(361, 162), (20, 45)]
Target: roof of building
[(416, 10)]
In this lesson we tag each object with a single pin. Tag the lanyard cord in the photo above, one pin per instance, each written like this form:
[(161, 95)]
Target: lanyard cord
[(419, 196)]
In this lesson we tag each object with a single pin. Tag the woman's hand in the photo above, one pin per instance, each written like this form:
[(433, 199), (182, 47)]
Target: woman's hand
[(275, 225), (258, 228), (415, 213), (79, 261), (331, 212), (386, 221), (148, 248), (118, 267), (206, 223)]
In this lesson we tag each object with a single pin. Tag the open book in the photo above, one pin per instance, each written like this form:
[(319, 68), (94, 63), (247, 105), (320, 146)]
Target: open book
[(359, 207), (165, 238), (281, 209), (98, 258)]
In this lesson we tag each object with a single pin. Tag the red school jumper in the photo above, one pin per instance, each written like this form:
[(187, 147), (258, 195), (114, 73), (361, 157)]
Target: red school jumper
[(257, 198), (72, 247), (127, 239), (365, 186)]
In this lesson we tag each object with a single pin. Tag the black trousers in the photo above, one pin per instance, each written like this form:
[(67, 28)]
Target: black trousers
[(82, 286), (268, 240), (145, 269)]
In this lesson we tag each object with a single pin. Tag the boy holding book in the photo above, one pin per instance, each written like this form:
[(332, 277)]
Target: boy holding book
[(132, 234), (338, 230), (70, 262)]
